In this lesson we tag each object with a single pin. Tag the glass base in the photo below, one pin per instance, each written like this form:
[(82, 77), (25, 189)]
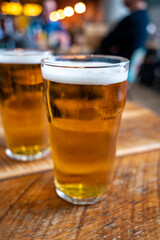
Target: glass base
[(27, 158), (78, 201)]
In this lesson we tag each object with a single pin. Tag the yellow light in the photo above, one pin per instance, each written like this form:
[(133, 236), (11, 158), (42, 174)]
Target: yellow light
[(60, 14), (32, 9), (11, 8), (4, 7), (80, 8), (68, 11), (53, 16)]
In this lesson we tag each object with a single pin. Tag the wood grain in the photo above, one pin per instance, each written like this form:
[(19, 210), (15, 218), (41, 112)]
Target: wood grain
[(30, 208), (139, 132)]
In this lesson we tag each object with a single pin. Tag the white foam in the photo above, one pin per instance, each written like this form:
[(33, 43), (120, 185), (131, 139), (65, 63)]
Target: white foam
[(22, 56), (90, 73)]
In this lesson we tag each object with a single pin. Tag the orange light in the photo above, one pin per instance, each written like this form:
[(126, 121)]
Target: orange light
[(80, 8), (68, 11), (60, 14), (32, 9), (11, 8), (53, 16)]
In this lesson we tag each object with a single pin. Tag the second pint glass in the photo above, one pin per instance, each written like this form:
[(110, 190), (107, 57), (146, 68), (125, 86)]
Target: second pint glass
[(21, 104), (84, 97)]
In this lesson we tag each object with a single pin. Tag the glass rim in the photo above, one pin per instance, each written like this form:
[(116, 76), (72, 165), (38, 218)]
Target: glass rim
[(22, 52), (53, 61)]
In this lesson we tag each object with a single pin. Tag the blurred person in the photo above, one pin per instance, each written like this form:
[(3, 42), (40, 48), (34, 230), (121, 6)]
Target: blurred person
[(130, 34), (8, 31), (20, 35), (1, 33), (46, 33)]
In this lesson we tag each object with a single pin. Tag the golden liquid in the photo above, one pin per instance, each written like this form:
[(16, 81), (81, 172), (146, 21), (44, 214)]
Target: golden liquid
[(23, 114), (83, 126)]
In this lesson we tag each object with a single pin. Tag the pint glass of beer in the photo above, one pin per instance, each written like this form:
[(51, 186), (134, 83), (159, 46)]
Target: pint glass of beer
[(84, 98), (21, 104)]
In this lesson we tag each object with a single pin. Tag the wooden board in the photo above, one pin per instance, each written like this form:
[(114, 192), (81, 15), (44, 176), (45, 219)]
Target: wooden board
[(139, 132), (30, 208)]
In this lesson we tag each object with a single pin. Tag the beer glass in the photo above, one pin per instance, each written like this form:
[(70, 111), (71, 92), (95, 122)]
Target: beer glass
[(84, 98), (21, 104)]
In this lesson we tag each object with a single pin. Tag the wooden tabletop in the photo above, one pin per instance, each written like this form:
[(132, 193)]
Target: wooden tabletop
[(30, 208)]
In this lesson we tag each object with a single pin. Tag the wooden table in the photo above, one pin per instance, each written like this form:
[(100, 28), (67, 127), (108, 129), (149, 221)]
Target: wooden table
[(30, 208)]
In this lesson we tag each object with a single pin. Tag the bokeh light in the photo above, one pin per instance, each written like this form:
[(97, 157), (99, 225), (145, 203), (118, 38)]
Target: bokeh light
[(31, 9), (68, 11), (80, 8), (11, 8), (60, 14), (53, 16)]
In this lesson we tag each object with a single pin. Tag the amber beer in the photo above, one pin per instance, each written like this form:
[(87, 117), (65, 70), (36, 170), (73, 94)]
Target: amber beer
[(21, 104), (84, 106)]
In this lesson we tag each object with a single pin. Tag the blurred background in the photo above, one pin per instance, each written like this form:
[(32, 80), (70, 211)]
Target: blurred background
[(75, 27)]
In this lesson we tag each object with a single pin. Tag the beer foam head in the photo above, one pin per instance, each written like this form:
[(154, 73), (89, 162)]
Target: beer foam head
[(20, 56), (87, 73)]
